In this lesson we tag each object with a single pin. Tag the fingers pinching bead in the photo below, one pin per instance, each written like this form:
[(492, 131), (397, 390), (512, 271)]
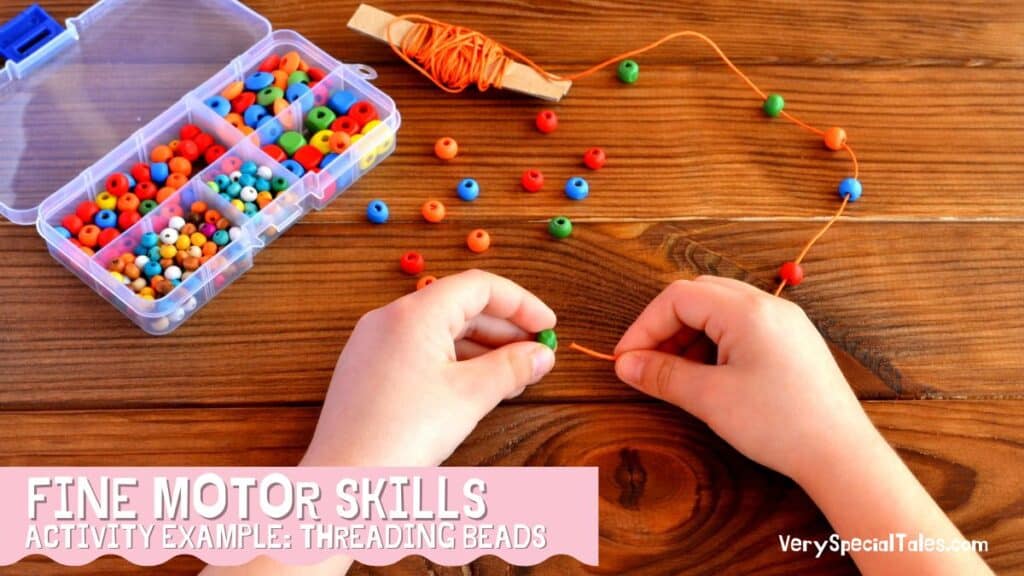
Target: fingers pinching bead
[(560, 227), (468, 190), (532, 180), (629, 71), (446, 148), (546, 121), (478, 240), (850, 188), (835, 138), (412, 263), (791, 273), (594, 158), (377, 212), (773, 105), (576, 188), (433, 211), (548, 338)]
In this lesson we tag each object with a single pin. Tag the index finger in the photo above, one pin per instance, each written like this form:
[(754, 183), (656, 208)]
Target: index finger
[(461, 297), (684, 304)]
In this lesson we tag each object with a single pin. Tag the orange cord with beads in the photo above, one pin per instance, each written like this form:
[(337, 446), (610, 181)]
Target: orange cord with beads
[(454, 57)]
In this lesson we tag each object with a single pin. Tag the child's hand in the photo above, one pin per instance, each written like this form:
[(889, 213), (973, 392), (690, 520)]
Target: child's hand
[(418, 374), (776, 393)]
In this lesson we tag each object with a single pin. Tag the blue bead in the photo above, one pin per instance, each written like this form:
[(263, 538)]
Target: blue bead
[(140, 250), (222, 181), (253, 115), (246, 180), (105, 219), (220, 105), (293, 167), (270, 129), (233, 190), (149, 239), (850, 187), (341, 101), (577, 188), (250, 209), (468, 190), (152, 268), (159, 172), (63, 231), (259, 81), (296, 91), (377, 212), (154, 253), (225, 196), (262, 185), (176, 282), (131, 182), (249, 167), (221, 237), (327, 160)]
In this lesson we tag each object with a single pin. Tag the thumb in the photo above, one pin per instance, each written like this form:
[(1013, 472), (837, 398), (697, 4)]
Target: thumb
[(674, 379), (505, 371)]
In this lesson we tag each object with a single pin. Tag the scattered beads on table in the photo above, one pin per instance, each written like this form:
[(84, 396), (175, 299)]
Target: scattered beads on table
[(629, 71), (248, 186), (446, 148), (547, 121), (773, 105), (576, 188), (791, 273), (425, 281), (412, 263), (377, 212), (548, 338), (478, 240), (532, 180), (560, 227), (468, 190), (433, 211), (161, 261), (594, 158)]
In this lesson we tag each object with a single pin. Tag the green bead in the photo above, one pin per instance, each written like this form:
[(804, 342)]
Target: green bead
[(213, 186), (269, 95), (279, 184), (560, 227), (146, 206), (629, 71), (548, 338), (773, 105), (298, 77), (290, 142), (320, 118)]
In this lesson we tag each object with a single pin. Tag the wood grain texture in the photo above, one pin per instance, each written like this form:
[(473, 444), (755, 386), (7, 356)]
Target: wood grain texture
[(674, 498)]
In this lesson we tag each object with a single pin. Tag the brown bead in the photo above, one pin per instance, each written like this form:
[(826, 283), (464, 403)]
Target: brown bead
[(189, 229), (116, 265), (132, 271), (191, 263)]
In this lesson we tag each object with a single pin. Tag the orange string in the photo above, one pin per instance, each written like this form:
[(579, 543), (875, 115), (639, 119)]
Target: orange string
[(454, 57)]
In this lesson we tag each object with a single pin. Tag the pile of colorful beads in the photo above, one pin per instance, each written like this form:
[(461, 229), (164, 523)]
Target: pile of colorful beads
[(163, 260), (126, 198), (267, 92), (249, 187)]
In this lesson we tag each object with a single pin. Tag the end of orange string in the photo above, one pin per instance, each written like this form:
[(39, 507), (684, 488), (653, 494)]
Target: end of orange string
[(591, 353)]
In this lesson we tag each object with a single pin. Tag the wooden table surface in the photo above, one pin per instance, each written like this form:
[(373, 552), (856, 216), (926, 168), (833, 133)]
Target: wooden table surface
[(919, 289)]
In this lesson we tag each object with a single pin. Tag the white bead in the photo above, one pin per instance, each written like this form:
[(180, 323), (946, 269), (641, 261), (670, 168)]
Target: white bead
[(248, 194), (191, 304), (160, 324), (172, 273), (178, 315), (138, 284), (169, 236), (265, 173), (234, 233), (177, 222), (141, 260), (235, 176), (195, 251)]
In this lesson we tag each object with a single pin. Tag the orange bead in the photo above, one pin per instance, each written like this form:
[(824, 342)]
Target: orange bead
[(235, 120), (339, 142), (835, 138), (176, 180), (211, 216), (446, 148), (280, 105), (161, 154), (234, 90), (478, 240), (197, 207), (164, 193), (433, 211), (280, 79), (209, 249), (179, 165), (425, 281), (290, 62)]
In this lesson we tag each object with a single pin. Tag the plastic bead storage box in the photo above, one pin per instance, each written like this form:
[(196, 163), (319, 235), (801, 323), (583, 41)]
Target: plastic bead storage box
[(129, 76)]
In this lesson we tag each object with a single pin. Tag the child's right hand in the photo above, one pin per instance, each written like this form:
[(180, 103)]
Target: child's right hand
[(776, 394)]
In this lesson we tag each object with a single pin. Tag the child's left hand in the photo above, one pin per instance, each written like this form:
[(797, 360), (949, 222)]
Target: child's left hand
[(418, 374)]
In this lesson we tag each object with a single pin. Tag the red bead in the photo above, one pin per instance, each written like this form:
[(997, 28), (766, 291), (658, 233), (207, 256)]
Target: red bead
[(316, 74), (547, 121), (127, 219), (107, 236), (532, 180), (189, 131), (117, 184), (241, 104), (141, 173), (213, 153), (146, 190), (73, 223), (594, 158), (791, 273), (188, 150), (275, 152), (362, 112), (345, 124), (86, 210), (412, 263), (273, 62), (308, 156), (203, 142)]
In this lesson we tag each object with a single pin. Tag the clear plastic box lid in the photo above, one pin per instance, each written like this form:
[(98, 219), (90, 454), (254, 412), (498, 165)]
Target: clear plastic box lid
[(115, 67)]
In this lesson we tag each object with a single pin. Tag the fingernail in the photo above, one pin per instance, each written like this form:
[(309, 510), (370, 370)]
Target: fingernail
[(543, 361), (630, 368)]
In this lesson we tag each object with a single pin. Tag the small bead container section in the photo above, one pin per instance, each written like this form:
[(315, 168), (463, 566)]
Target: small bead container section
[(221, 171)]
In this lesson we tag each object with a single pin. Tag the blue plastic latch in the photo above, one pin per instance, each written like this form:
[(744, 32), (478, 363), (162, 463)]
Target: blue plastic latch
[(26, 33)]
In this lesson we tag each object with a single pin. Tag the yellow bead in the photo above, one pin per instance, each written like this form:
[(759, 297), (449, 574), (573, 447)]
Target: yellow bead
[(183, 243), (168, 251), (370, 126), (355, 138), (118, 276), (106, 201), (322, 141), (147, 293), (238, 204), (197, 239)]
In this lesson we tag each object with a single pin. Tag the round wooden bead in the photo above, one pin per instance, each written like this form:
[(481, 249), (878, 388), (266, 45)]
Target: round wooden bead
[(546, 121), (835, 138), (89, 235), (73, 223), (346, 125), (220, 105), (478, 240), (86, 210), (628, 71), (339, 142), (446, 148), (773, 105), (377, 212), (269, 95), (548, 338), (117, 184), (259, 81), (363, 112), (532, 180), (425, 281), (106, 201), (850, 188), (105, 219), (791, 273), (433, 211), (126, 220), (594, 158), (577, 188), (560, 227), (322, 141), (107, 236), (412, 263), (128, 203)]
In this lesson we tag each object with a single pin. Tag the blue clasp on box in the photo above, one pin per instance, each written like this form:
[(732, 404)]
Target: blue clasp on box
[(26, 33)]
